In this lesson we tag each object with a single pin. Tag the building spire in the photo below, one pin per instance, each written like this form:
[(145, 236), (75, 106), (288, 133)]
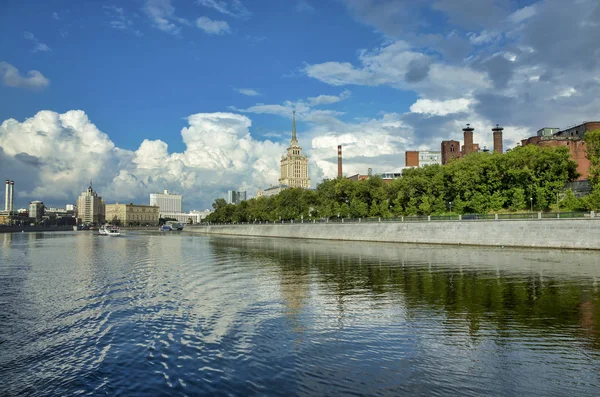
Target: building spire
[(294, 127)]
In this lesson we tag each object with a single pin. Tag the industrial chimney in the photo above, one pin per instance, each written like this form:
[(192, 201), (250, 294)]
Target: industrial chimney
[(498, 148), (468, 138), (12, 196), (339, 161), (7, 195)]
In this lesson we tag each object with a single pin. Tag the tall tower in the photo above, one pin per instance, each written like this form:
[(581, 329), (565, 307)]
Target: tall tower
[(294, 165), (339, 161), (7, 195), (498, 147), (468, 139), (11, 204)]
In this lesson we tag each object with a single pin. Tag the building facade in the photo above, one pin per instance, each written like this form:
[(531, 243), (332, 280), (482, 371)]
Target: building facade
[(192, 217), (91, 208), (450, 150), (294, 165), (271, 191), (234, 197), (572, 138), (132, 214), (167, 201), (411, 158), (36, 210)]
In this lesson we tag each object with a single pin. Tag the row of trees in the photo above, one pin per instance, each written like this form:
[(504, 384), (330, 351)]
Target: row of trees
[(524, 178)]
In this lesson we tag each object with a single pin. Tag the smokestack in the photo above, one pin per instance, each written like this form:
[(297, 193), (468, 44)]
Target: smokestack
[(12, 196), (7, 195), (468, 138), (339, 161), (498, 147)]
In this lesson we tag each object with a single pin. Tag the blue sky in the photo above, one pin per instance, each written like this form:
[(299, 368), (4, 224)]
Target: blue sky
[(196, 96)]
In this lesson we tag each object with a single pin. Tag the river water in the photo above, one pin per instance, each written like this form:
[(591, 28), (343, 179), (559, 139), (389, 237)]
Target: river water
[(183, 314)]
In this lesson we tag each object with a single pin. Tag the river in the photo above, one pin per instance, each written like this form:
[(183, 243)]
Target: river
[(185, 314)]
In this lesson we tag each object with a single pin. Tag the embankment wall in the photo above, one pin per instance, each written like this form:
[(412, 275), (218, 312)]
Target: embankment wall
[(545, 233)]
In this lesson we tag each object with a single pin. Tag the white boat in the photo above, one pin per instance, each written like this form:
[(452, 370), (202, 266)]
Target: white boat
[(109, 230), (166, 228)]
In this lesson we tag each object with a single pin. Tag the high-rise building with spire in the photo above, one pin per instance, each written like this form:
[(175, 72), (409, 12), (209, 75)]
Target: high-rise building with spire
[(90, 207), (294, 165)]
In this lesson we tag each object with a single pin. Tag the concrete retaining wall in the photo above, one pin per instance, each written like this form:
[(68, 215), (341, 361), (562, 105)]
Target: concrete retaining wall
[(546, 233)]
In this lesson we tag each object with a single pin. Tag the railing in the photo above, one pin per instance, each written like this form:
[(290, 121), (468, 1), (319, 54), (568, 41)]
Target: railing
[(427, 218)]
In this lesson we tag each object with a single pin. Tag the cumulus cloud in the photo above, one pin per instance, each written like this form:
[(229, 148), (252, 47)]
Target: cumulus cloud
[(440, 108), (52, 156), (212, 27), (328, 99), (11, 77)]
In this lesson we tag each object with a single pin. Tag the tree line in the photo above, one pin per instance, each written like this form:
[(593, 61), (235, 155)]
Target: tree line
[(522, 179)]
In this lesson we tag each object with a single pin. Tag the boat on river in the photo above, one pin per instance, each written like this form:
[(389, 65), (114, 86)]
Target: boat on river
[(109, 230), (166, 228)]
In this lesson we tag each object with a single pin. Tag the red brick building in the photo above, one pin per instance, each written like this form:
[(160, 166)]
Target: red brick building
[(573, 139), (411, 159)]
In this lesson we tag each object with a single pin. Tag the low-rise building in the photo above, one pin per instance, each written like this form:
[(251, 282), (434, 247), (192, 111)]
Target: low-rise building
[(192, 217), (132, 214), (271, 191)]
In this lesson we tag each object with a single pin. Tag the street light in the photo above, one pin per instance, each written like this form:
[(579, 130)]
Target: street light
[(531, 201), (450, 202)]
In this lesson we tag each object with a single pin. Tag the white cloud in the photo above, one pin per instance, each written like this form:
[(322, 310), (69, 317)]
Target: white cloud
[(55, 16), (484, 37), (440, 108), (247, 91), (399, 66), (328, 99), (233, 8), (162, 15), (522, 14), (212, 27), (304, 6), (11, 77), (67, 150), (119, 20), (37, 45)]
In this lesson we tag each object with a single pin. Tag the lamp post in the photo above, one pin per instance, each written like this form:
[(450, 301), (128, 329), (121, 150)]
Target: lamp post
[(302, 218), (450, 202), (531, 203), (338, 216)]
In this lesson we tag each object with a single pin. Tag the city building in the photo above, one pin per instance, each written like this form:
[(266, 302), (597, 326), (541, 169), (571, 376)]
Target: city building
[(572, 138), (358, 177), (132, 214), (90, 207), (201, 214), (70, 207), (271, 191), (192, 217), (36, 210), (234, 197), (294, 165), (167, 202), (389, 176), (547, 131), (422, 158), (450, 150)]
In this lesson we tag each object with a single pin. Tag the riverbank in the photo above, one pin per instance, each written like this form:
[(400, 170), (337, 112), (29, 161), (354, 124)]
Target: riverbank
[(537, 233), (37, 229)]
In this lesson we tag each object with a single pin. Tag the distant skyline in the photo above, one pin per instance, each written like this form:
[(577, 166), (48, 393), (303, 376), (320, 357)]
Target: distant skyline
[(197, 96)]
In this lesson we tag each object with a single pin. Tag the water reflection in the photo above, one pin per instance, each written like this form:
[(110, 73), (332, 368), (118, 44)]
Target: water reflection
[(527, 291)]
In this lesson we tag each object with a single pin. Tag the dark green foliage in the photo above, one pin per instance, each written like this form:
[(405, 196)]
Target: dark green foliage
[(479, 183)]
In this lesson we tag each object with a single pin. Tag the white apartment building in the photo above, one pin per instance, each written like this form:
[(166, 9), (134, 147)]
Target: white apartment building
[(167, 202), (429, 158)]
